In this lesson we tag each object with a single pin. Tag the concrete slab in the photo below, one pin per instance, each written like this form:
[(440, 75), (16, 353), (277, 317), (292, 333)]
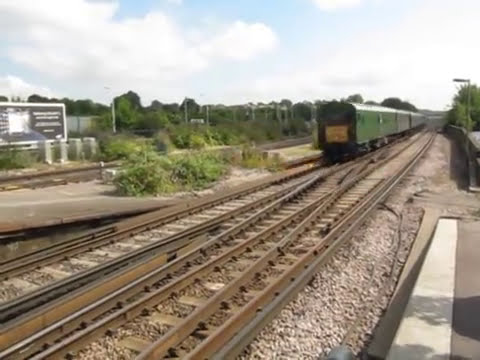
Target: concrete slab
[(387, 328), (425, 331), (28, 208), (466, 308)]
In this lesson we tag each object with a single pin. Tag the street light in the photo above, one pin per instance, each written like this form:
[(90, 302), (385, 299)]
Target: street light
[(114, 125)]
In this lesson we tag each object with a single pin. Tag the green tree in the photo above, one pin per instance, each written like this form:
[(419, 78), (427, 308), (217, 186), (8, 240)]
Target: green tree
[(155, 105), (303, 111), (126, 117), (192, 107), (34, 98), (458, 114), (355, 98), (134, 100), (286, 102), (3, 98), (153, 120), (396, 103)]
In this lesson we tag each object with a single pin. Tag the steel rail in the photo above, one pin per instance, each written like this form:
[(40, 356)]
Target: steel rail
[(134, 226), (169, 244), (188, 325), (131, 310), (13, 335), (244, 326), (48, 173), (64, 326)]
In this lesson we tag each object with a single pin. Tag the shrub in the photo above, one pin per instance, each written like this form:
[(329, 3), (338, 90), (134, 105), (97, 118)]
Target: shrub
[(149, 173), (138, 179), (16, 159), (162, 142), (121, 147), (197, 171), (197, 141)]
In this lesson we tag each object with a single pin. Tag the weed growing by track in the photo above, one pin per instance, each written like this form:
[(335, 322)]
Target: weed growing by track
[(149, 173), (121, 147), (11, 158)]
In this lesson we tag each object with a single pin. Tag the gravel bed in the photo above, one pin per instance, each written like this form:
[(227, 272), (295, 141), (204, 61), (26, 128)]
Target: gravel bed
[(349, 294)]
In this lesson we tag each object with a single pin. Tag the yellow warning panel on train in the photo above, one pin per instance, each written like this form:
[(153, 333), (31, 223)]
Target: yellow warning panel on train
[(337, 134)]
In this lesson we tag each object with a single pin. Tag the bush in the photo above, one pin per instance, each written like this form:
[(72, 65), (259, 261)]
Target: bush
[(162, 142), (197, 141), (16, 159), (121, 147), (143, 178), (150, 173), (197, 171)]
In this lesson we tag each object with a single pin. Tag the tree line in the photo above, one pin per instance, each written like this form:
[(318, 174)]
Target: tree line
[(130, 114), (458, 114)]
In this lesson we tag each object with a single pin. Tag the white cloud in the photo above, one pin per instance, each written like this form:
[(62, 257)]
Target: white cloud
[(241, 41), (12, 86), (82, 42), (335, 4), (176, 2), (414, 58)]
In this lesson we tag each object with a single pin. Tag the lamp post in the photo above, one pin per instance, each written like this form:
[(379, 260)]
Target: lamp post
[(114, 125)]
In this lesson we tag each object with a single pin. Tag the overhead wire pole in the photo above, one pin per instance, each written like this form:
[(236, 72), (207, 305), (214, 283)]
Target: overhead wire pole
[(185, 104), (114, 123), (207, 112)]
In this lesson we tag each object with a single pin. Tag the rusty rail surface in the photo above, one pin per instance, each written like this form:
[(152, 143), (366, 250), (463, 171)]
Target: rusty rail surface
[(237, 312), (110, 302), (109, 234), (55, 321), (53, 177), (37, 321), (138, 224), (230, 339)]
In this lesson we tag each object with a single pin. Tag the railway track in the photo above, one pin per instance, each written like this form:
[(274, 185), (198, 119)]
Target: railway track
[(200, 304), (56, 177), (110, 302), (72, 263), (48, 178)]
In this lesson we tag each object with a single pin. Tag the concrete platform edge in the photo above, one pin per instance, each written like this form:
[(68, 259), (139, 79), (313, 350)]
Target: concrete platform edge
[(387, 328), (421, 334)]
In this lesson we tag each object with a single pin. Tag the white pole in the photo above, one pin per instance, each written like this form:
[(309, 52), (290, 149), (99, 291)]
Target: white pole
[(114, 124), (185, 102)]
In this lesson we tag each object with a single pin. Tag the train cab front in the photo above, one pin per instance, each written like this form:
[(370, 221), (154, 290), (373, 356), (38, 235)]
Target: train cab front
[(335, 132)]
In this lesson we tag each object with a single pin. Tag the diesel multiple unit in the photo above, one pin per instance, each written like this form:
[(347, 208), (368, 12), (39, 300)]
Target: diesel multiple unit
[(346, 129)]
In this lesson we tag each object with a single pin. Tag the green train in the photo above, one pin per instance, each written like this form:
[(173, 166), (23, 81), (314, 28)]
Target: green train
[(348, 129)]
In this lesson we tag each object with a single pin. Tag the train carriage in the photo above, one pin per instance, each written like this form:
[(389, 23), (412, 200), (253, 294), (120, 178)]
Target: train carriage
[(347, 128)]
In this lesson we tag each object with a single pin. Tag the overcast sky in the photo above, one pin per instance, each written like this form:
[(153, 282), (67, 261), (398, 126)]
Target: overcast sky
[(223, 51)]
